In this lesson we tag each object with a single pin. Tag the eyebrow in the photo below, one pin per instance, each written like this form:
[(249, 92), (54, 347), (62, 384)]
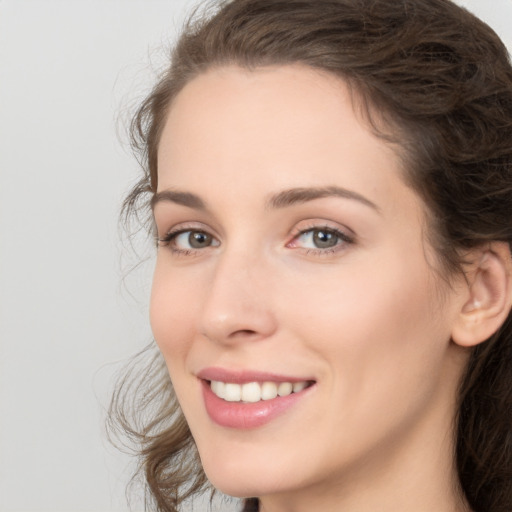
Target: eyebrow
[(304, 194), (178, 197), (282, 199)]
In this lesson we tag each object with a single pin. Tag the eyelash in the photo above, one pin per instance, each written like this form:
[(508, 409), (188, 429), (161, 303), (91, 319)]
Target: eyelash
[(342, 239)]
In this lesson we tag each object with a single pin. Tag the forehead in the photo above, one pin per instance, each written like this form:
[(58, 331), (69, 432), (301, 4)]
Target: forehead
[(277, 127)]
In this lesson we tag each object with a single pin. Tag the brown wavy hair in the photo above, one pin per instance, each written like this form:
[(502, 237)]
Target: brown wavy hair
[(442, 82)]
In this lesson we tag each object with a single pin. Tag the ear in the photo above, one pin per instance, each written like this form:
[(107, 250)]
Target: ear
[(488, 300)]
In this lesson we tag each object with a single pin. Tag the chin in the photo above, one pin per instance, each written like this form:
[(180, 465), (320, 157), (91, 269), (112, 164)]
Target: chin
[(249, 478), (236, 482)]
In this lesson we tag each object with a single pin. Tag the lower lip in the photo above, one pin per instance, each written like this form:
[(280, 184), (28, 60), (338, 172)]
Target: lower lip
[(241, 415)]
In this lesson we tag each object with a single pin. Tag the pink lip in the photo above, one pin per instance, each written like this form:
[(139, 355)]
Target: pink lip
[(245, 376), (240, 415)]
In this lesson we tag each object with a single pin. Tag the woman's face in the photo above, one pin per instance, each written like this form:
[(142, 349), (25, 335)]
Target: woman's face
[(294, 257)]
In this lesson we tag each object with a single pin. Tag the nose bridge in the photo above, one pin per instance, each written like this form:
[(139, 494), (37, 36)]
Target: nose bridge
[(237, 304)]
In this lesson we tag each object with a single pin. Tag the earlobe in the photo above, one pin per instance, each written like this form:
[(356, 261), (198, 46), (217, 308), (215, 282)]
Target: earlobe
[(489, 298)]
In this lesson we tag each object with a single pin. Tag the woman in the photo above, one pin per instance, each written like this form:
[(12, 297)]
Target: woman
[(330, 189)]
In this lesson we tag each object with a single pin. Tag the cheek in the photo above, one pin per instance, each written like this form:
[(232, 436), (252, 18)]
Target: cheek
[(172, 314), (378, 324), (381, 346)]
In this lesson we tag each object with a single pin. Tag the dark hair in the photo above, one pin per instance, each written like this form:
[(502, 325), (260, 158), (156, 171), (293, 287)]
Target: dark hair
[(437, 83)]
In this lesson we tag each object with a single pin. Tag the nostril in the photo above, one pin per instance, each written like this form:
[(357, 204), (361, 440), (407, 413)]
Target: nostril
[(243, 334)]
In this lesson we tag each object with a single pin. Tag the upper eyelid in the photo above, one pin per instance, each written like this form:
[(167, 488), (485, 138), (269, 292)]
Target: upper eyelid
[(322, 224), (186, 226), (173, 233), (338, 232)]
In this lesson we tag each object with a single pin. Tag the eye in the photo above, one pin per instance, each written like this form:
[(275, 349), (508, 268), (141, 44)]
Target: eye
[(187, 240), (321, 239)]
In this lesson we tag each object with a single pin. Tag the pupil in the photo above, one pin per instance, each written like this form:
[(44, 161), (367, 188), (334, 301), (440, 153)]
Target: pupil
[(197, 240), (323, 239)]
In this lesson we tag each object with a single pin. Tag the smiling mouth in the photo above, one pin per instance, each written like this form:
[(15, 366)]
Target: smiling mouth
[(252, 392)]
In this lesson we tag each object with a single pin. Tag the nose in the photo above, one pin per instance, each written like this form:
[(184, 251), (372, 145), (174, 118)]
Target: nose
[(237, 306)]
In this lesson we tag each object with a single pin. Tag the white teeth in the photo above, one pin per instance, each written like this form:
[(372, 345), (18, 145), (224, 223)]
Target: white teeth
[(218, 388), (253, 391), (285, 389), (232, 392), (299, 386), (268, 390)]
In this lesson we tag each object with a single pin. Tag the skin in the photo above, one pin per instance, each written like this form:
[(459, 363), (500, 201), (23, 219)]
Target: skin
[(369, 320)]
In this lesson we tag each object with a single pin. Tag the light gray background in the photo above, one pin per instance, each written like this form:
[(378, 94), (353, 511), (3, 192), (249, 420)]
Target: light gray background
[(68, 69)]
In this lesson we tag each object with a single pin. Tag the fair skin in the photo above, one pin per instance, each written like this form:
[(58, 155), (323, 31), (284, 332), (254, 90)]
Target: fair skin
[(336, 287)]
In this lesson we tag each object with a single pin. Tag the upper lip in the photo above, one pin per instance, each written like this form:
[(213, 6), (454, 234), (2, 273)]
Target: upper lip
[(245, 376)]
